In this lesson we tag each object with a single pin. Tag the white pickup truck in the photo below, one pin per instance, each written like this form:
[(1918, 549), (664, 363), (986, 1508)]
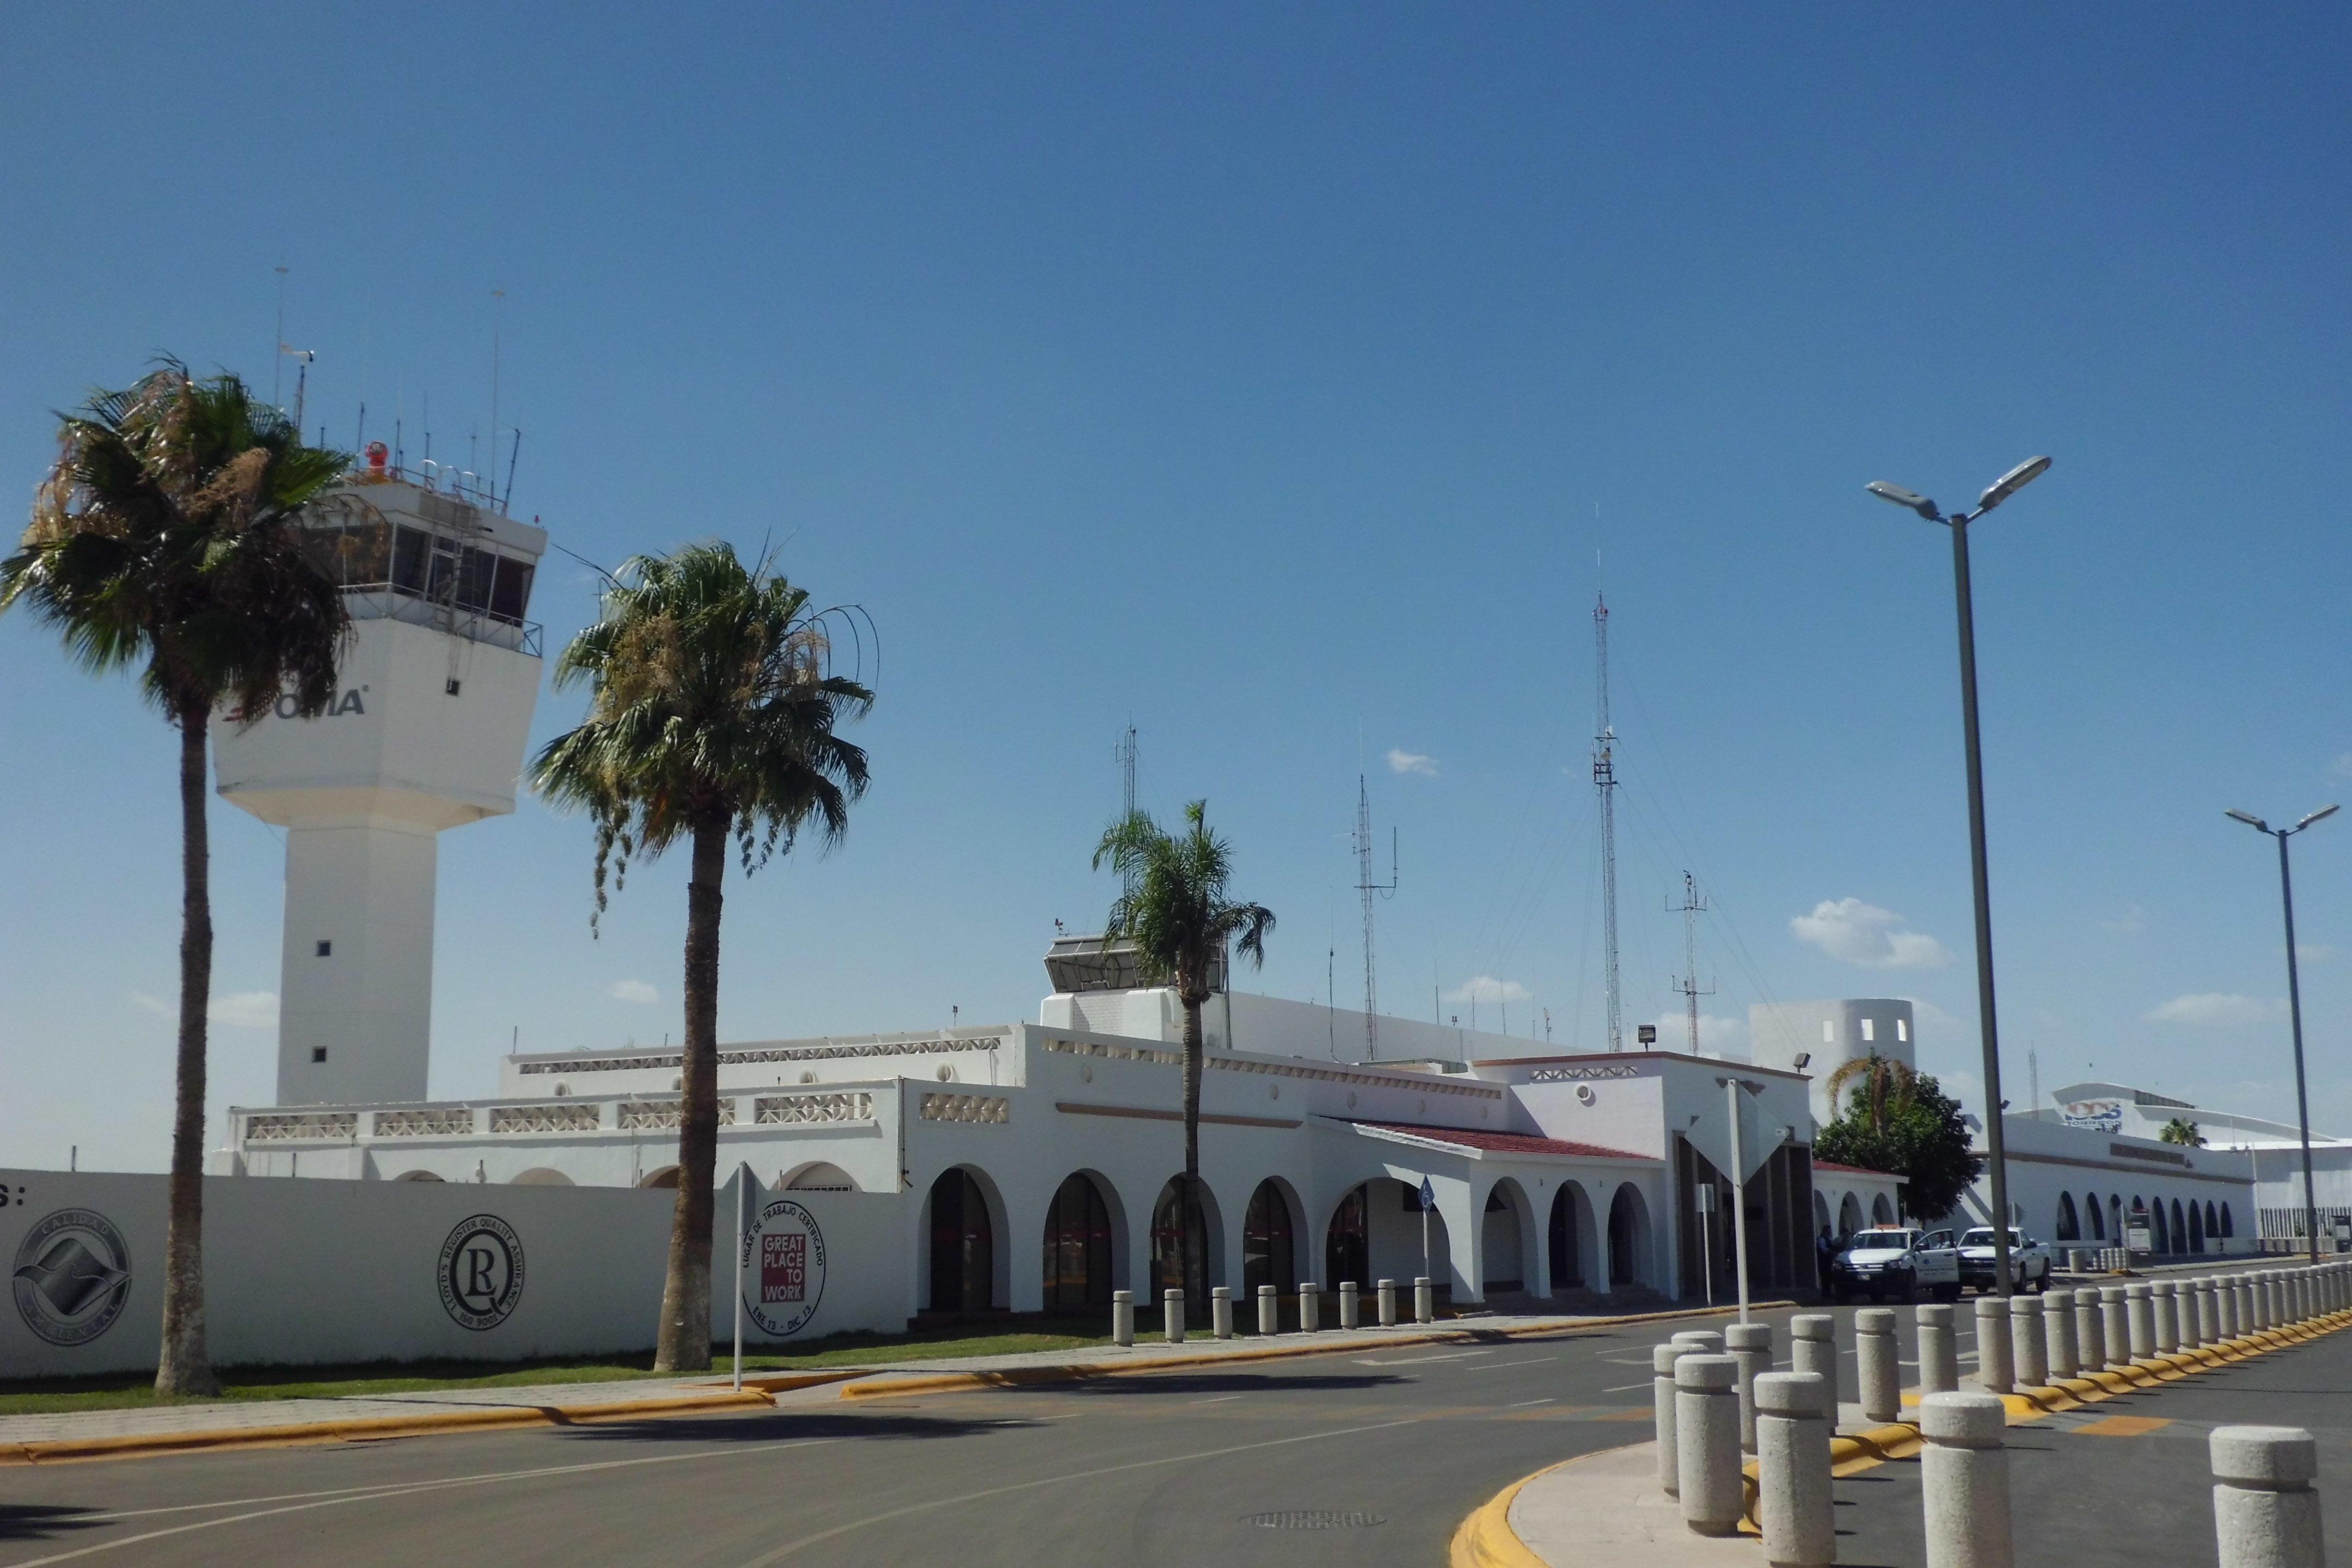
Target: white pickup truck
[(2028, 1260), (1894, 1261)]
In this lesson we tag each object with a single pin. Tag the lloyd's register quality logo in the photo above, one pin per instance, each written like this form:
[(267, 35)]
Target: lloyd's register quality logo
[(784, 1258), (72, 1276), (481, 1271)]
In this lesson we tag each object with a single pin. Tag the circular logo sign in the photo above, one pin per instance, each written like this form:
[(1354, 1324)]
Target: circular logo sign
[(481, 1271), (784, 1268), (72, 1276)]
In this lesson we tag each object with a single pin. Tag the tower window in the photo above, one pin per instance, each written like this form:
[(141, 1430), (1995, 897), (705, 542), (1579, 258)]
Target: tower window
[(1901, 1031), (1828, 1031), (1868, 1025), (452, 687), (326, 948), (318, 1053)]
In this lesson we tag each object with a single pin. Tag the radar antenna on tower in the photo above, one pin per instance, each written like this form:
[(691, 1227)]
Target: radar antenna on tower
[(1368, 888), (1692, 907)]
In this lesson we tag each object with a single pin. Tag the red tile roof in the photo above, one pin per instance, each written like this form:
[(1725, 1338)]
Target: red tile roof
[(1504, 1142), (1856, 1170)]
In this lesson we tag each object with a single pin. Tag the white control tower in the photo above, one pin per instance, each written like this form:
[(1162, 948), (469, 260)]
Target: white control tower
[(426, 733)]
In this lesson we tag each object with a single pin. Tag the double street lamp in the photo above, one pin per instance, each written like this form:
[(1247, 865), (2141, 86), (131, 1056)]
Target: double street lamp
[(2294, 1008), (2008, 485)]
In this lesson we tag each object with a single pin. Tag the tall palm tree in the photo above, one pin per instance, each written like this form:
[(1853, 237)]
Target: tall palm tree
[(2181, 1131), (1173, 907), (1886, 1085), (712, 717), (167, 537)]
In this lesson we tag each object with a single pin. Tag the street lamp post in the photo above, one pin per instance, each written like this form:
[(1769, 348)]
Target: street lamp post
[(1996, 1151), (2294, 1009)]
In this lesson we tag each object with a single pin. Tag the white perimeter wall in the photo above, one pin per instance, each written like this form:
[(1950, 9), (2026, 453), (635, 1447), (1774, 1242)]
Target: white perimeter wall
[(310, 1271)]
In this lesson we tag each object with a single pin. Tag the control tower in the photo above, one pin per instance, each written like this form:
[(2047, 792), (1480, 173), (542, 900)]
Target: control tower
[(426, 733)]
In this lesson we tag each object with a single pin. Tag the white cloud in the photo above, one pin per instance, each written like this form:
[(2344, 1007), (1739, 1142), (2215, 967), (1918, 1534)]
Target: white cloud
[(1402, 762), (2340, 770), (2313, 952), (632, 991), (2215, 1009), (1717, 1035), (1854, 932), (1486, 988), (2130, 919), (237, 1009)]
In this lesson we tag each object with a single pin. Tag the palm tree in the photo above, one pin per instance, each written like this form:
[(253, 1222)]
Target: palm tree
[(1174, 909), (167, 536), (712, 717), (1886, 1085), (2181, 1130)]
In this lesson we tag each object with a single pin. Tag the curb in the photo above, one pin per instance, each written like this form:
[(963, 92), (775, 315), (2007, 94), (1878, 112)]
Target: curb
[(884, 1386), (1485, 1538)]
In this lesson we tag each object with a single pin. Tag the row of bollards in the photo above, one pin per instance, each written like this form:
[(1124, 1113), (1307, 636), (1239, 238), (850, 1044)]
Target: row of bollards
[(1715, 1399), (1269, 1309)]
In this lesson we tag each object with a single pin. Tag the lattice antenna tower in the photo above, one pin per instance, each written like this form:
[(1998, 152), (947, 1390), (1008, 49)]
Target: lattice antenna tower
[(1692, 907), (1125, 752), (1370, 889), (1604, 784)]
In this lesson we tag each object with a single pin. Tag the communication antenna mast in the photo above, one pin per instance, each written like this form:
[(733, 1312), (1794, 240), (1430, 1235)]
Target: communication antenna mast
[(277, 353), (497, 320), (1368, 888), (1692, 907), (1604, 782), (1124, 753)]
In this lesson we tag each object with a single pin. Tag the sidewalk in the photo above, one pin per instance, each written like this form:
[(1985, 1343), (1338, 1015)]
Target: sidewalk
[(84, 1434)]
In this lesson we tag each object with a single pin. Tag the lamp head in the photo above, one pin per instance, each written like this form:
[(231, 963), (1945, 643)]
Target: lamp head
[(1901, 497), (2009, 483), (2315, 817), (2250, 819)]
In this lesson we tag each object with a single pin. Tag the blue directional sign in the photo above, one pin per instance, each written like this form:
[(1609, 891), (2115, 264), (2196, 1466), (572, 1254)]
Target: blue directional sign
[(1428, 1195)]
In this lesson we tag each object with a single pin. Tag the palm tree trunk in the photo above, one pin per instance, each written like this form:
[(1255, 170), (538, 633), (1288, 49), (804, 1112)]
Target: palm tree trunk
[(685, 1341), (184, 1365), (1196, 1266)]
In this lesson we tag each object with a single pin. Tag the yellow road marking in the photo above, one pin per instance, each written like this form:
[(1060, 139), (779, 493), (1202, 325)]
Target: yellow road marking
[(2123, 1427)]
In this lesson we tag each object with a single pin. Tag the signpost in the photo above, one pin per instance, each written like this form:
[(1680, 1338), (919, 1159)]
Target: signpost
[(1739, 1197), (1428, 1202), (742, 1245), (1704, 1197)]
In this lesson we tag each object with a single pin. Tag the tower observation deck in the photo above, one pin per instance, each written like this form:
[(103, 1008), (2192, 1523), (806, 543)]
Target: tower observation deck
[(433, 708)]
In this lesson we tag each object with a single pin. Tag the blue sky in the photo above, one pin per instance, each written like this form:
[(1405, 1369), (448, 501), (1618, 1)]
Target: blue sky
[(1274, 377)]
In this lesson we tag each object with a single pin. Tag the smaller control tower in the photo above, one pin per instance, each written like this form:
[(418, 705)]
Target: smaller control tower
[(426, 733)]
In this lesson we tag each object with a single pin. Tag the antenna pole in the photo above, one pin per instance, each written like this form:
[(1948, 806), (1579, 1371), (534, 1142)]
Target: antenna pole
[(498, 318), (1367, 888), (1604, 782), (1125, 754), (278, 349), (1692, 907)]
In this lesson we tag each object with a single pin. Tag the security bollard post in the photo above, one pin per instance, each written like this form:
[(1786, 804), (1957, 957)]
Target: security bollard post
[(1813, 1347), (1269, 1310), (1964, 1482), (1706, 1443), (1877, 1377), (1386, 1291), (1707, 1341), (2090, 1340), (2209, 1316), (1750, 1345), (2242, 1292), (1793, 1503), (2114, 1325), (1122, 1316), (2265, 1511), (1993, 1344), (2058, 1334), (1310, 1307), (1424, 1300), (1939, 1350), (1662, 1411), (2029, 1355), (2162, 1319), (1221, 1312), (1171, 1316), (2138, 1305), (2266, 1309), (2225, 1310), (1350, 1309)]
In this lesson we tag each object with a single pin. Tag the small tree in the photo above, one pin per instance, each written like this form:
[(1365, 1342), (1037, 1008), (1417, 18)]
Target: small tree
[(2181, 1131), (1174, 907), (1885, 1086), (1920, 1138)]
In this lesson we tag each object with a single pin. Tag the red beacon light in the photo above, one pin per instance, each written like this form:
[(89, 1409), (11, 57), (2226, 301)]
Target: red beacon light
[(379, 458)]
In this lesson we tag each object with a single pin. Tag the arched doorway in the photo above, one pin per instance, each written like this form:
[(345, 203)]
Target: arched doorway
[(1269, 1243), (1849, 1215), (2196, 1227), (2091, 1206), (2212, 1222), (1571, 1222), (1628, 1238), (2180, 1230), (1169, 1245), (1346, 1244), (2069, 1228), (2228, 1225), (821, 1177), (663, 1180), (2161, 1237), (541, 1176), (1501, 1258), (963, 1245), (1881, 1212), (1078, 1247)]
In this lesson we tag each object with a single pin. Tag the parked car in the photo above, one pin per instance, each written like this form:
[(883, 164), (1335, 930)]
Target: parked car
[(1896, 1262), (2028, 1260)]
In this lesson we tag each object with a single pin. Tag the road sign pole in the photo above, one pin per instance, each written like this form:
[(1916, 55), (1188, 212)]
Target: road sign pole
[(742, 1191), (1739, 1196), (1428, 1202)]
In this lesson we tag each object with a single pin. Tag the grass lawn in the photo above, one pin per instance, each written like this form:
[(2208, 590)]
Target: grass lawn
[(133, 1391)]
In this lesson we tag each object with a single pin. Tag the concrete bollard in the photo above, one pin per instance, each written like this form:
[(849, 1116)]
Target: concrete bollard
[(2305, 1311), (1707, 1341), (2265, 1511), (1878, 1380), (1310, 1307), (2028, 1352), (2225, 1310), (1706, 1443), (1939, 1350), (1813, 1347), (1351, 1310), (2058, 1334), (1964, 1482), (1122, 1316), (2266, 1303), (2138, 1307), (2250, 1315), (1793, 1501), (1221, 1312), (2090, 1330), (2114, 1325), (1662, 1411), (2209, 1320), (1172, 1317), (2163, 1320), (1386, 1293), (1424, 1300), (1269, 1310), (1750, 1344), (1993, 1344)]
